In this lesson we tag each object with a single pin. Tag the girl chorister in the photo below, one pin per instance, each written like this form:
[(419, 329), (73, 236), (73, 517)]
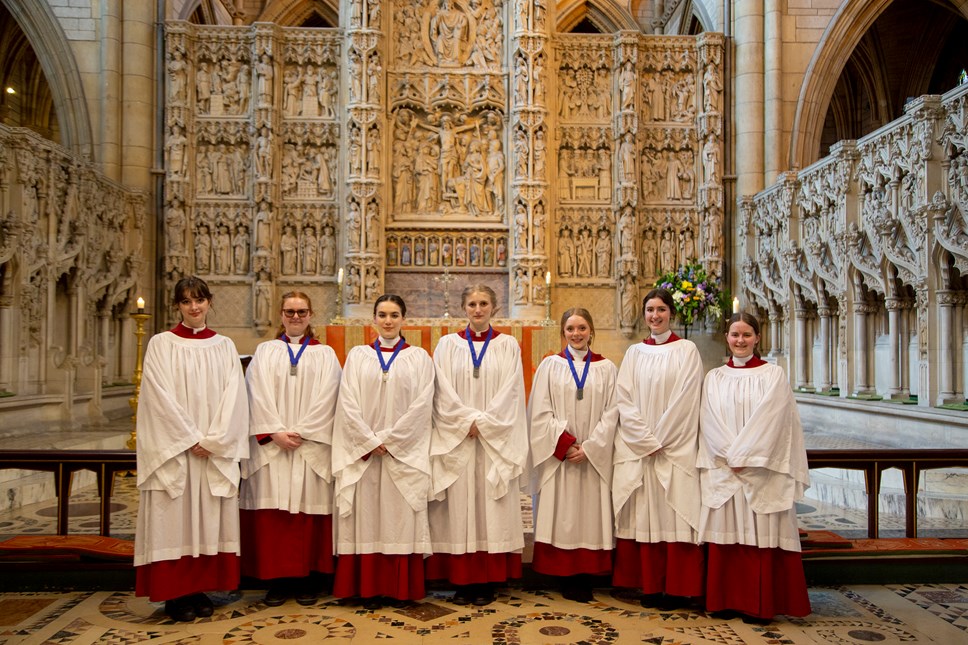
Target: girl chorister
[(381, 463), (573, 416), (287, 490), (753, 467), (479, 453), (192, 425), (655, 483)]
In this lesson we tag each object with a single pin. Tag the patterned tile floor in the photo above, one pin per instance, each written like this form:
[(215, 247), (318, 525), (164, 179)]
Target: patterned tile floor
[(842, 615)]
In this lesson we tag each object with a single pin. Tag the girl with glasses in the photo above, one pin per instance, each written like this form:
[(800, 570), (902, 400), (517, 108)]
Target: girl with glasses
[(287, 492)]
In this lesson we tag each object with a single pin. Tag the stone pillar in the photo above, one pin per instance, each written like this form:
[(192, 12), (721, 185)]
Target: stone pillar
[(946, 361), (531, 138), (904, 340), (773, 91), (803, 350), (749, 96), (110, 65), (893, 306), (862, 386), (826, 352)]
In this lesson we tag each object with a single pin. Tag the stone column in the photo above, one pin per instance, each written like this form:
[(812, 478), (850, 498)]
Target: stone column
[(109, 84), (904, 357), (802, 315), (893, 306), (773, 91), (749, 96), (826, 352), (862, 386), (946, 363)]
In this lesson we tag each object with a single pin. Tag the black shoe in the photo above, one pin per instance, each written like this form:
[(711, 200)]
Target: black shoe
[(396, 603), (373, 603), (305, 593), (463, 595), (483, 595), (277, 594), (652, 600), (202, 605), (756, 620), (723, 614), (180, 610)]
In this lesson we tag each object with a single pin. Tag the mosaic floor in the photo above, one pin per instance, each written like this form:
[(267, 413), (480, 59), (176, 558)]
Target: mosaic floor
[(843, 615)]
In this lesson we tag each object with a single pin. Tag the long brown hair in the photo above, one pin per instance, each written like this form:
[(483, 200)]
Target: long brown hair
[(310, 332), (578, 311), (749, 319)]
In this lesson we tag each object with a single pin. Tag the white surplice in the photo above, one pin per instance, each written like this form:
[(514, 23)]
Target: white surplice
[(574, 508), (192, 391), (300, 480), (749, 420), (382, 501), (477, 481), (656, 497)]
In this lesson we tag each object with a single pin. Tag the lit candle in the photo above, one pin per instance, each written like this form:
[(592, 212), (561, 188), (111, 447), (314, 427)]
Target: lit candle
[(141, 305), (548, 278), (339, 276), (736, 305)]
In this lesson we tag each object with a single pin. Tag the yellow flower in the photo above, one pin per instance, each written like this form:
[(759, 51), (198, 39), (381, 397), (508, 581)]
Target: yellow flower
[(686, 284)]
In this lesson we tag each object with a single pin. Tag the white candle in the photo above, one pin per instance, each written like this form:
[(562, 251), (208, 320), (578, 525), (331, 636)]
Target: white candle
[(548, 278), (339, 276), (736, 305), (141, 305)]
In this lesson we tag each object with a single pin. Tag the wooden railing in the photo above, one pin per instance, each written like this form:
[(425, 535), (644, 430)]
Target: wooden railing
[(63, 464), (106, 463), (873, 463)]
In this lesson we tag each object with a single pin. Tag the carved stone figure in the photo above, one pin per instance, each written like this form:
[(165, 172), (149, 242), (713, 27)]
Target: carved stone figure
[(240, 250), (288, 248), (203, 250), (566, 254), (351, 286), (372, 226), (585, 249), (177, 79), (603, 254), (223, 250), (712, 86), (265, 74), (538, 228), (495, 172), (650, 253), (710, 160), (520, 286), (327, 251), (176, 152), (449, 34), (353, 226), (521, 228), (263, 154), (175, 224), (309, 248), (372, 285), (626, 85), (667, 252)]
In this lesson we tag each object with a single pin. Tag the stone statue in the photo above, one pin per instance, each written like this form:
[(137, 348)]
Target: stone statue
[(538, 228), (177, 79), (240, 247), (353, 225), (603, 254), (585, 249), (223, 250), (449, 34), (265, 75), (175, 224), (327, 251), (176, 152), (566, 254), (626, 85), (288, 246), (351, 286), (667, 252), (309, 248), (372, 286), (650, 253), (626, 153), (203, 250)]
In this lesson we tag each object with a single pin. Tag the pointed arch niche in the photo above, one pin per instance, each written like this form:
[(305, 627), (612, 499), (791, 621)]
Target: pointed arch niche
[(874, 56)]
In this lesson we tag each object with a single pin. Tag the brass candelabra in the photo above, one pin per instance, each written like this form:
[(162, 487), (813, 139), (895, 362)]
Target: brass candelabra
[(139, 319)]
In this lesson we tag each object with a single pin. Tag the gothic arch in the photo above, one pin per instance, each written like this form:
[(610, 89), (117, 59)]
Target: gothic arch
[(843, 33), (60, 69), (606, 15), (288, 14)]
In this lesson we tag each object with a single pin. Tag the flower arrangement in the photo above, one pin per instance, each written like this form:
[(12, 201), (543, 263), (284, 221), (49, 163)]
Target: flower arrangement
[(695, 292)]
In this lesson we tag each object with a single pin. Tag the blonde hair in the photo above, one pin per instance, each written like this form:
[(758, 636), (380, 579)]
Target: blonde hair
[(475, 288)]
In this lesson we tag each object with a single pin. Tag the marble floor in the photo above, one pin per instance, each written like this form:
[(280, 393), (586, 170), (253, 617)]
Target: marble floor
[(842, 615)]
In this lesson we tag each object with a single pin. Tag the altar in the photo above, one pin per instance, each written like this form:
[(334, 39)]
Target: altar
[(537, 339)]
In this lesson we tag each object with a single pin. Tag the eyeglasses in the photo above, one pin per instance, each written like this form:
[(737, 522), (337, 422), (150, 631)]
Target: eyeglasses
[(292, 313)]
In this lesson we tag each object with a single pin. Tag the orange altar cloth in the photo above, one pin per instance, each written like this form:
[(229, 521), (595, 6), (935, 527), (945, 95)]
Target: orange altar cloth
[(536, 341)]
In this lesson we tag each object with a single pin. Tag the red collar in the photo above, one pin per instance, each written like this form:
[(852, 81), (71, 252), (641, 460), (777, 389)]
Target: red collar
[(312, 341), (183, 331), (477, 336), (595, 357), (754, 361), (672, 338)]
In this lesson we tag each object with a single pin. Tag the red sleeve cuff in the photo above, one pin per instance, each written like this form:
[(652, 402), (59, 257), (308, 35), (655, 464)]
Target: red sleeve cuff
[(263, 439), (367, 455), (565, 441)]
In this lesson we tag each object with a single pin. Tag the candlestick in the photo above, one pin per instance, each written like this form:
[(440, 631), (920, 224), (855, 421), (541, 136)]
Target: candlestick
[(140, 319)]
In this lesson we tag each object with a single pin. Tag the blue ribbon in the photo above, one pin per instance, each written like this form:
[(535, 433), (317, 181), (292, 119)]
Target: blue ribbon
[(475, 359), (579, 383), (294, 359), (396, 350)]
